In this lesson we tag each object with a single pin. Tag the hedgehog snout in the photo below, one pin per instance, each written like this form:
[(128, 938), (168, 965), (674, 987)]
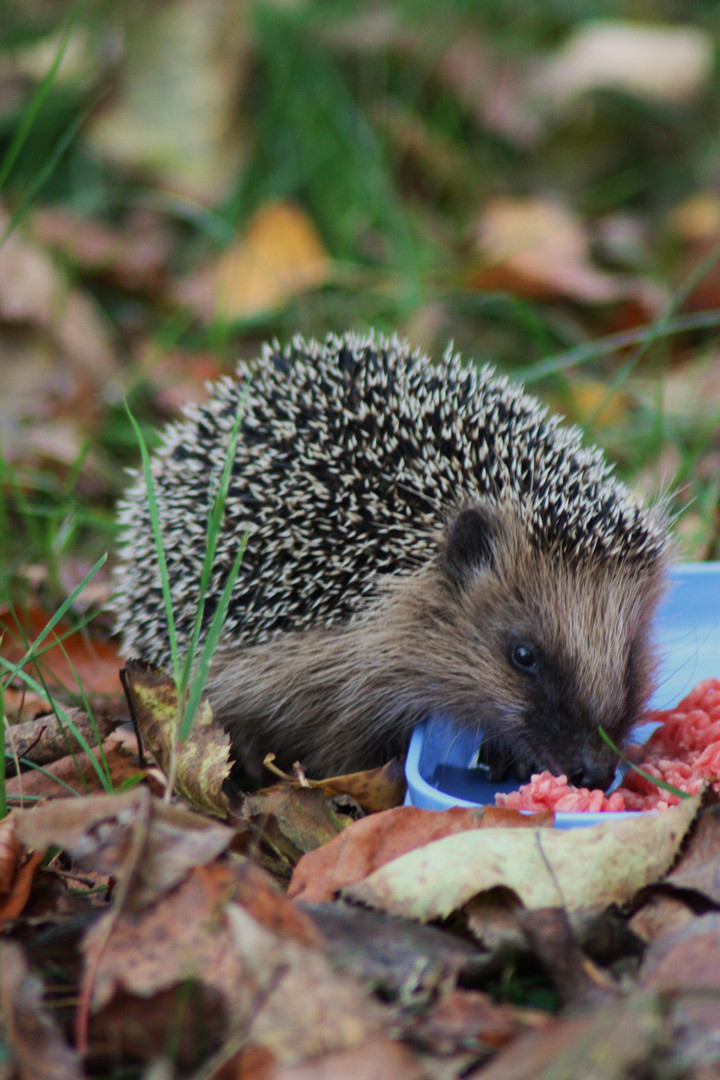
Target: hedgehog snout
[(592, 771)]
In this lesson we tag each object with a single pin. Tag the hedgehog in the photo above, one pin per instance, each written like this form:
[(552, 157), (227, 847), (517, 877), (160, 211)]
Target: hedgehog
[(423, 539)]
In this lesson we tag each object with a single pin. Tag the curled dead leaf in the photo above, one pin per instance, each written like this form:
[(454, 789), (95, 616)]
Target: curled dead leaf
[(203, 759)]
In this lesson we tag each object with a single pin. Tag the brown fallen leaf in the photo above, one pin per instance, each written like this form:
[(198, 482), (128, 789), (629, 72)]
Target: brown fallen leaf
[(10, 853), (254, 986), (377, 1057), (537, 247), (589, 400), (291, 821), (118, 761), (580, 870), (97, 832), (371, 842), (685, 967), (374, 789), (14, 899), (256, 891), (152, 954), (613, 1042), (309, 1010), (401, 960), (698, 868), (696, 220), (660, 916), (133, 256), (96, 663), (184, 937), (47, 737), (36, 295), (203, 759), (472, 1020), (30, 1033), (17, 870)]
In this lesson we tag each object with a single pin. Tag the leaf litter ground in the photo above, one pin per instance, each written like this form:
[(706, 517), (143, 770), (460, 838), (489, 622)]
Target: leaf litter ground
[(301, 936)]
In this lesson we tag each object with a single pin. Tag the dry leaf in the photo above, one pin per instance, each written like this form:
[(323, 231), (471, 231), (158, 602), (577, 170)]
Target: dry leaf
[(536, 247), (610, 1043), (184, 937), (467, 1019), (698, 868), (17, 872), (96, 663), (280, 257), (590, 399), (371, 842), (203, 758), (660, 916), (373, 789), (134, 256), (30, 1033), (309, 1010), (582, 869), (491, 87), (685, 968), (666, 63), (48, 738), (400, 959), (697, 219), (292, 821), (78, 772), (98, 832)]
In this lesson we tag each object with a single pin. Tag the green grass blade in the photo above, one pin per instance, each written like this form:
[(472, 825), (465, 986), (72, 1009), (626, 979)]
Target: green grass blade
[(213, 536), (36, 102), (46, 172), (211, 643), (604, 346), (159, 547)]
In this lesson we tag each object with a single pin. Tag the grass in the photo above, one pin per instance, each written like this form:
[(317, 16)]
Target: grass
[(191, 671)]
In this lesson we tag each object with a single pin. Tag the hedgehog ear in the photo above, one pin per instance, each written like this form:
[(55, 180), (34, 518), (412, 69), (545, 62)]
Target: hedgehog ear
[(469, 543)]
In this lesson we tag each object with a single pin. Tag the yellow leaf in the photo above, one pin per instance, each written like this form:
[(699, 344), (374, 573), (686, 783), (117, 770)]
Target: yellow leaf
[(697, 218), (280, 257), (203, 758)]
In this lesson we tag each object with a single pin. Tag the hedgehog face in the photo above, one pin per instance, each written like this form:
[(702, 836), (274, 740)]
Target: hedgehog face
[(554, 649)]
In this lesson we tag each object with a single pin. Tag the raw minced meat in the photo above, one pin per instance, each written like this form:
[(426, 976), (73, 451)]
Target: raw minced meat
[(684, 752)]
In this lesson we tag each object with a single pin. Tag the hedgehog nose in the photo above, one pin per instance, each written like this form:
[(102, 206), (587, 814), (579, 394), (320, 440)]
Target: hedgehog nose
[(593, 774)]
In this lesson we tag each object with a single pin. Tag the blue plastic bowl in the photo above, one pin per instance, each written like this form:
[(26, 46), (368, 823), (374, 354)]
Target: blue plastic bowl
[(687, 630)]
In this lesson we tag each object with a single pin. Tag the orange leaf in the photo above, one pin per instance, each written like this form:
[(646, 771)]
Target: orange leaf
[(96, 662), (280, 257), (16, 877)]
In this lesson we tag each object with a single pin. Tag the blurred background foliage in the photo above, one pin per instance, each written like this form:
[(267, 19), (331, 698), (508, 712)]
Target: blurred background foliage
[(538, 183)]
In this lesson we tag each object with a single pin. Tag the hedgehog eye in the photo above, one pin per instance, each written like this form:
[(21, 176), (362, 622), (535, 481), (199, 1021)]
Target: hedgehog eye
[(523, 658)]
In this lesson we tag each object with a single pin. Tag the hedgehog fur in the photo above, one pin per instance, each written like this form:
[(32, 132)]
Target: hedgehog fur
[(355, 458)]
